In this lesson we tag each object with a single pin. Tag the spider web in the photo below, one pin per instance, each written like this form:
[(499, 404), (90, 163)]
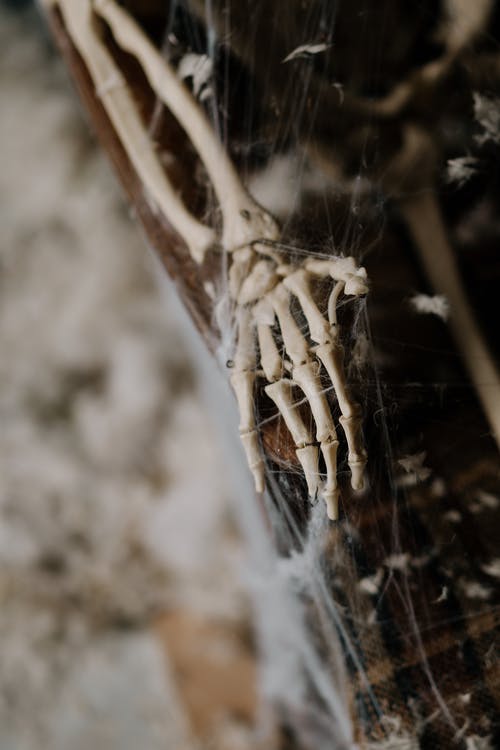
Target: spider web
[(377, 629), (364, 618)]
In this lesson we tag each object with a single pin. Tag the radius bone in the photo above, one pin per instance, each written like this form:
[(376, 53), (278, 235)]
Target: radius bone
[(121, 110), (244, 221)]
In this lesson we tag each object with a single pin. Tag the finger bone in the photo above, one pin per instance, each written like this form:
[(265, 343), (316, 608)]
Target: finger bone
[(332, 358), (281, 393), (341, 269), (269, 355), (309, 458), (253, 454), (243, 386), (242, 260), (330, 492), (262, 279), (245, 357), (306, 377), (357, 453), (298, 283), (263, 312), (295, 344)]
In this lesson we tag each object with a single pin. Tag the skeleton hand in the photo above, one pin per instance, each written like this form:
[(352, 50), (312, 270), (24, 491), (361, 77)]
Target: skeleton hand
[(262, 285), (263, 289)]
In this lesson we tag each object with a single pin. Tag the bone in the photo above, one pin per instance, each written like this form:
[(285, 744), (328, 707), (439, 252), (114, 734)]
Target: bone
[(240, 268), (307, 378), (281, 393), (243, 385), (244, 221), (357, 454), (338, 268), (299, 284), (342, 269), (243, 382), (332, 357), (331, 498), (245, 357), (121, 110), (330, 492), (269, 355), (254, 458), (263, 312), (332, 308), (308, 457), (248, 231), (258, 283), (295, 343)]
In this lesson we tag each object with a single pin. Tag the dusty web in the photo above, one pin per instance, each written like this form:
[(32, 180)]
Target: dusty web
[(363, 144), (327, 607)]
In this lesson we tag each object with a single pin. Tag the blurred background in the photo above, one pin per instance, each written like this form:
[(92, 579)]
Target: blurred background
[(123, 622)]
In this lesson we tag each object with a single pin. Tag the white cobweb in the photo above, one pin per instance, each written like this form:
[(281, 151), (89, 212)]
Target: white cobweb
[(305, 671)]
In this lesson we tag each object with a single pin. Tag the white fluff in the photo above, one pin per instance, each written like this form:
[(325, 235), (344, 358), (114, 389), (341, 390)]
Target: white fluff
[(461, 169), (492, 568), (199, 68), (431, 304), (306, 50), (487, 114), (413, 465)]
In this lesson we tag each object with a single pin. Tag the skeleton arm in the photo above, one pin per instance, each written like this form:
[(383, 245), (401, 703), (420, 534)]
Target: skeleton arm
[(243, 220), (121, 109), (261, 285)]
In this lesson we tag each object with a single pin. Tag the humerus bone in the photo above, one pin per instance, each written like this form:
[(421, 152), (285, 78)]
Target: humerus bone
[(261, 283)]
